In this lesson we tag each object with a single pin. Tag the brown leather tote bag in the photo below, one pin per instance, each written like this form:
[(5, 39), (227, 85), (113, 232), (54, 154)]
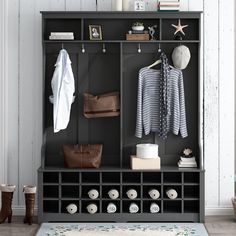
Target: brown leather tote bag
[(105, 105), (82, 156)]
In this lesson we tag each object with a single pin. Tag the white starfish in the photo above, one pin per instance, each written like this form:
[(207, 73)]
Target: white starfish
[(179, 28)]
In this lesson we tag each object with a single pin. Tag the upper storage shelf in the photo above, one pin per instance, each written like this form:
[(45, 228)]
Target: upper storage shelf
[(115, 25)]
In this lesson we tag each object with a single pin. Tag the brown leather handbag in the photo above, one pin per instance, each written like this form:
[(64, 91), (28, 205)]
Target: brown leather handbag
[(82, 156), (105, 105)]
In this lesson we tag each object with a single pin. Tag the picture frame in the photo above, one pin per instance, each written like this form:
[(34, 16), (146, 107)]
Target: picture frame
[(95, 32), (139, 5)]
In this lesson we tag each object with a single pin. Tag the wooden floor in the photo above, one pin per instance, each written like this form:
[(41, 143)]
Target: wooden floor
[(216, 226)]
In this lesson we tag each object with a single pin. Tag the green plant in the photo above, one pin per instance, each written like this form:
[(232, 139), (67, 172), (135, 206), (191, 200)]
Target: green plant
[(137, 24)]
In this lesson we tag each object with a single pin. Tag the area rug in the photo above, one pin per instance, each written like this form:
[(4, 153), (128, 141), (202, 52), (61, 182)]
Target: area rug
[(122, 229)]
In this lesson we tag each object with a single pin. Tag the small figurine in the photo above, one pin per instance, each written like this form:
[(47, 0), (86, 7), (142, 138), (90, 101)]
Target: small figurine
[(187, 152), (152, 31), (179, 33)]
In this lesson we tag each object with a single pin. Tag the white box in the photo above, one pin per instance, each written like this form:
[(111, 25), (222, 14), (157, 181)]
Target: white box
[(145, 164)]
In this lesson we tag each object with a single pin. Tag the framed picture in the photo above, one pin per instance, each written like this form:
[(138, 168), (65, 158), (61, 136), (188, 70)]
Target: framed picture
[(139, 5), (95, 32)]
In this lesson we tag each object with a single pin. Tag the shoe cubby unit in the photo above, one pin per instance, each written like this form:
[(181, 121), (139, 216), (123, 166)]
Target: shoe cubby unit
[(116, 69)]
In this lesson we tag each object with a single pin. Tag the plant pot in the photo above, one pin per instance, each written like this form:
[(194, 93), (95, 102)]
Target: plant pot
[(138, 28)]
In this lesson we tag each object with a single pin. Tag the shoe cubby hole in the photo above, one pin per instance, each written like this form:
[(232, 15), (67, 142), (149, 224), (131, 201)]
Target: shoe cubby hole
[(107, 202), (172, 206), (151, 177), (90, 177), (50, 177), (147, 188), (87, 188), (191, 191), (172, 177), (147, 205), (64, 205), (131, 177), (50, 206), (191, 32), (85, 203), (116, 29), (62, 25), (128, 187), (50, 191), (68, 191), (111, 177), (178, 189), (191, 177), (191, 206), (126, 205), (70, 177), (106, 189)]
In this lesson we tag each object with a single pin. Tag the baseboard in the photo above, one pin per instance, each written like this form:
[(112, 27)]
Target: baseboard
[(20, 210), (216, 211)]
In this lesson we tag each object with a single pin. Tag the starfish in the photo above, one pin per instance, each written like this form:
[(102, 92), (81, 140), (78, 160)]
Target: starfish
[(179, 28)]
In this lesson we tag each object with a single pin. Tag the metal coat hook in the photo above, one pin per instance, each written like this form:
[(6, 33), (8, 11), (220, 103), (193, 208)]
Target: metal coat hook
[(103, 48), (139, 48), (159, 48), (83, 49), (62, 46)]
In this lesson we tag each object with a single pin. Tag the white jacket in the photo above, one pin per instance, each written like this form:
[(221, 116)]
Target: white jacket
[(63, 87)]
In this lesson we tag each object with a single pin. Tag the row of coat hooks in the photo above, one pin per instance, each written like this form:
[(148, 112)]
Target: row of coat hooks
[(104, 48), (83, 48)]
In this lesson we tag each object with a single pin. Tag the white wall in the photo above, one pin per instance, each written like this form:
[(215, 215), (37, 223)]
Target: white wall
[(21, 92)]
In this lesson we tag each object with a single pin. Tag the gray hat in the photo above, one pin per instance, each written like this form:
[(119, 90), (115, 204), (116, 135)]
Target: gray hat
[(181, 57)]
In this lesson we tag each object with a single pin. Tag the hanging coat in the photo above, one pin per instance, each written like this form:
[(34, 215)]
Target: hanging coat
[(63, 88)]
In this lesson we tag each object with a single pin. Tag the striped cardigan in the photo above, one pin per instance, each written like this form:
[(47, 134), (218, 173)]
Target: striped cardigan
[(148, 105)]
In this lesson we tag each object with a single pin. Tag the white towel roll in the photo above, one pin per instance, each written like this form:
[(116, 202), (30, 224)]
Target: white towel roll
[(113, 194), (154, 193), (154, 208), (132, 194), (171, 193), (92, 208), (133, 208), (93, 194), (111, 208)]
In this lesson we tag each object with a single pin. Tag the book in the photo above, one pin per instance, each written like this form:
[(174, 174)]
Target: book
[(187, 159), (61, 33), (190, 165), (169, 8), (61, 37), (139, 32), (169, 1), (169, 4)]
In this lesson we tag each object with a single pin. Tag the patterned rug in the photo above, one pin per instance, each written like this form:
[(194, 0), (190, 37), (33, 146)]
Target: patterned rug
[(122, 229)]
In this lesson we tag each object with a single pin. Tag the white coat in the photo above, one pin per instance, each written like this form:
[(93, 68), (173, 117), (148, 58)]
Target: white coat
[(63, 88)]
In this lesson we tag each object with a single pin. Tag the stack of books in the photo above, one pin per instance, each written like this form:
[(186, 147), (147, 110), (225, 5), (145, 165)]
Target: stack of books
[(187, 162), (169, 5), (61, 36)]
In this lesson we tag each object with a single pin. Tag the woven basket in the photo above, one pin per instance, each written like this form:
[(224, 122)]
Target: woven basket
[(233, 199)]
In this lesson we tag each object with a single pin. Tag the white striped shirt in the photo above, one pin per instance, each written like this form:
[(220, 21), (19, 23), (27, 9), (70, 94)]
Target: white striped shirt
[(148, 107)]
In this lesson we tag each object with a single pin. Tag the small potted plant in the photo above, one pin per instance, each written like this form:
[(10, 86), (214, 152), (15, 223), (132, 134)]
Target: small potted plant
[(138, 26)]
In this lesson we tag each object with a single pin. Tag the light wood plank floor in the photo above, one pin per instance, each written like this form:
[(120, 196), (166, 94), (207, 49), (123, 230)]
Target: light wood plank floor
[(216, 226)]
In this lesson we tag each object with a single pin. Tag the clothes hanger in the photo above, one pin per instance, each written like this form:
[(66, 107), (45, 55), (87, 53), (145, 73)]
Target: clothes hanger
[(157, 61)]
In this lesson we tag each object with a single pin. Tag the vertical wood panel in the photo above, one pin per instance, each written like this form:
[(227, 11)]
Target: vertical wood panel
[(194, 5), (226, 100), (151, 5), (184, 5), (73, 5), (105, 5), (211, 96), (3, 91), (13, 102), (88, 5)]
